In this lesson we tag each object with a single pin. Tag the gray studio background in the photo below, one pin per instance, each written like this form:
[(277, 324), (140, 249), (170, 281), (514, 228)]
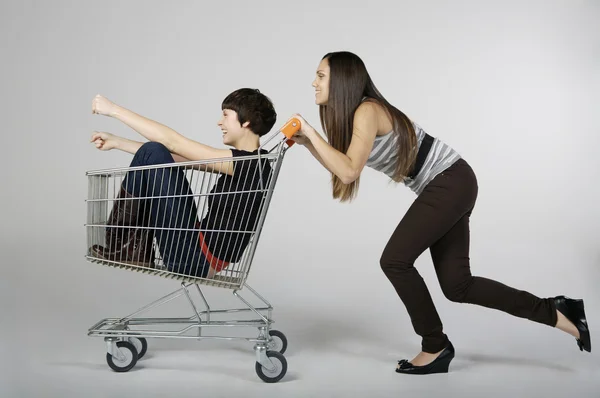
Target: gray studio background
[(512, 85)]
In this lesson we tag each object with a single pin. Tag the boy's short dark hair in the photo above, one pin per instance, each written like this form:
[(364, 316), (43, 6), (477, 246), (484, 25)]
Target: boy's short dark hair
[(254, 107)]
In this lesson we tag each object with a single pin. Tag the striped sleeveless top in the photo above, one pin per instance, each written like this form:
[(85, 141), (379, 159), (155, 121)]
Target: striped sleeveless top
[(384, 158)]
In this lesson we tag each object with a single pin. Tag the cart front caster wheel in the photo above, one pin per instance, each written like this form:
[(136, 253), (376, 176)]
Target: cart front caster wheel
[(140, 344), (278, 342), (275, 374), (130, 357)]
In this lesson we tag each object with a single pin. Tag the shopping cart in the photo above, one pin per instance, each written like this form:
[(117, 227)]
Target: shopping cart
[(143, 233)]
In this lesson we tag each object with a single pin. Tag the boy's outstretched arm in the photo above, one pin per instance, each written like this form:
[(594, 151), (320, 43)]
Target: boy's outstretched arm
[(105, 142), (176, 143)]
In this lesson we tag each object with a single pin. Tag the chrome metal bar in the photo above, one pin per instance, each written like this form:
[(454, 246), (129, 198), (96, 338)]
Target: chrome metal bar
[(236, 294), (160, 301), (187, 294), (205, 304), (112, 171)]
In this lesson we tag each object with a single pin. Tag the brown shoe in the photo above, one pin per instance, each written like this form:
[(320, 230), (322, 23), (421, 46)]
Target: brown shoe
[(127, 211), (138, 250), (124, 242)]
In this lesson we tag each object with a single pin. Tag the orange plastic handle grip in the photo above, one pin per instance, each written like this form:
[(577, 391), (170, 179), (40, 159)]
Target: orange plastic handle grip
[(289, 129)]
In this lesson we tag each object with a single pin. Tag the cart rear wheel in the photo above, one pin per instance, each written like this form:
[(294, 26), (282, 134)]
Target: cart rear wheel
[(276, 374), (278, 342), (124, 364), (140, 344)]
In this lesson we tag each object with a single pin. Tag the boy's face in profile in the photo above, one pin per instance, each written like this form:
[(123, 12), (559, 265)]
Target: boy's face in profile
[(230, 125)]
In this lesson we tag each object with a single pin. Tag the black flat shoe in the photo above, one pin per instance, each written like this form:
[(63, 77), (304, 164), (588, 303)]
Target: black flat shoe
[(573, 310), (438, 365)]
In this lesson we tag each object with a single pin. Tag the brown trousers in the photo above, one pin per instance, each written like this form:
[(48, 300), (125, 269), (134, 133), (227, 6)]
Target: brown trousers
[(439, 220)]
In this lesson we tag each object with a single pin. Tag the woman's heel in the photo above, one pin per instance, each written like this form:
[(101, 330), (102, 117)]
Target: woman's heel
[(443, 365), (574, 311)]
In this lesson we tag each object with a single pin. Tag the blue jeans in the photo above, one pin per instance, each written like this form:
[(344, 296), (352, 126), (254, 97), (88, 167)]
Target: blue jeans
[(180, 250)]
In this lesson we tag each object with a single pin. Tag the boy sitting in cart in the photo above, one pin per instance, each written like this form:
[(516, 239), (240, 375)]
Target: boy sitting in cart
[(158, 201)]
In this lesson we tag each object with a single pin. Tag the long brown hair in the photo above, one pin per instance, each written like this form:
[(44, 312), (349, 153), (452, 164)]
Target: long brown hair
[(349, 83)]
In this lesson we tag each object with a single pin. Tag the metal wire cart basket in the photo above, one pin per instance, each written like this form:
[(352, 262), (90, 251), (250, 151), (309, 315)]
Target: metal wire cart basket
[(198, 223)]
